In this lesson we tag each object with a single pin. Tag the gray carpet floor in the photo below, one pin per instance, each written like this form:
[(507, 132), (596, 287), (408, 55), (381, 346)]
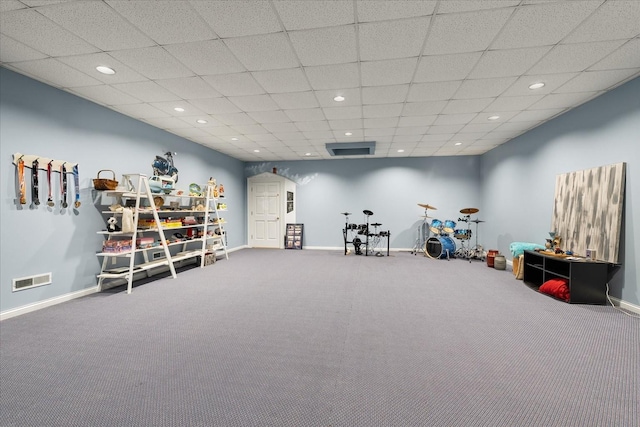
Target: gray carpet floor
[(316, 338)]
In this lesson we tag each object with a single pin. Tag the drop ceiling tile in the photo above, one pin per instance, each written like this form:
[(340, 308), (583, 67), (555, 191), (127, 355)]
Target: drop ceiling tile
[(206, 57), (98, 24), (167, 123), (216, 106), (597, 80), (146, 91), (504, 63), (513, 103), (299, 15), (381, 110), (417, 121), (288, 136), (39, 33), (305, 115), (318, 134), (484, 88), (345, 125), (192, 120), (375, 10), (55, 73), (517, 126), (236, 84), (481, 128), (254, 103), (313, 126), (235, 119), (166, 22), (105, 95), (437, 68), (189, 88), (392, 39), (452, 6), (384, 94), (457, 33), (280, 127), (425, 108), (189, 133), (324, 46), (385, 73), (269, 116), (281, 81), (250, 129), (238, 18), (563, 100), (463, 136), (444, 129), (551, 81), (412, 130), (356, 136), (574, 57), (376, 133), (535, 115), (544, 24), (264, 52), (295, 100), (483, 117), (433, 91), (14, 51), (381, 122), (9, 5), (168, 107), (436, 139), (627, 56), (461, 106), (225, 133), (140, 111), (88, 63), (613, 20), (342, 113), (265, 139), (351, 97), (339, 76), (454, 119), (152, 62), (406, 139)]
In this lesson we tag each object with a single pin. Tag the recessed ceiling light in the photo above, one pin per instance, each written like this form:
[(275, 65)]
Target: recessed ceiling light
[(105, 70), (339, 98), (348, 133), (458, 143), (201, 121), (536, 85), (179, 109), (307, 154), (493, 117), (256, 151), (401, 151), (234, 139)]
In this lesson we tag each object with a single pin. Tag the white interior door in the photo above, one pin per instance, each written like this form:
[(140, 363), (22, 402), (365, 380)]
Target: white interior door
[(264, 215)]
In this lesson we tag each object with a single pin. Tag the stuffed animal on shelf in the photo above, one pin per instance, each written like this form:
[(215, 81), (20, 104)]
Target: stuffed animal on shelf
[(112, 224)]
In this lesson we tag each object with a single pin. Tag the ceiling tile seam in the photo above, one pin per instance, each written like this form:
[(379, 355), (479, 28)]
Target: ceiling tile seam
[(133, 26)]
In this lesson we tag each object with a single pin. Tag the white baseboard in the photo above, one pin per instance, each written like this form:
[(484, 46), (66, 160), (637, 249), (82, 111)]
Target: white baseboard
[(46, 303), (626, 305), (341, 248)]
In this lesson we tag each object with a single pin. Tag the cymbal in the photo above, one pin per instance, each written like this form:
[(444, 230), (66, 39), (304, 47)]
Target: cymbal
[(427, 206), (469, 210), (367, 212), (476, 221), (346, 213), (376, 224)]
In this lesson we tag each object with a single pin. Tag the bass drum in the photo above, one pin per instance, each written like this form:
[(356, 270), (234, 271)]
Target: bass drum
[(440, 247)]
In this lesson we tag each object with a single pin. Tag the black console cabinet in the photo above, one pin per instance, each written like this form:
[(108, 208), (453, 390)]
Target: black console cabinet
[(587, 279)]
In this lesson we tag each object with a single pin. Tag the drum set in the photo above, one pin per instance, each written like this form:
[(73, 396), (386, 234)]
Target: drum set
[(440, 245), (364, 235)]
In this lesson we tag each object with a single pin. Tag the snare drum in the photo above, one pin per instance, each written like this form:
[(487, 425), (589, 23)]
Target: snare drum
[(435, 226), (462, 234), (384, 234), (449, 226), (352, 226), (362, 229), (440, 247)]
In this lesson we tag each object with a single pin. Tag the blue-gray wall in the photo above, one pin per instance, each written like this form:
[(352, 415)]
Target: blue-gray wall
[(518, 178), (38, 119)]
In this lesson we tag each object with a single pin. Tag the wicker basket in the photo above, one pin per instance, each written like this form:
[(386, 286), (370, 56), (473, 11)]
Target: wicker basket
[(105, 184)]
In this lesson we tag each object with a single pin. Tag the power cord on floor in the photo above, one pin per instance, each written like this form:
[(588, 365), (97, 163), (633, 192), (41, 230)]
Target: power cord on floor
[(618, 308)]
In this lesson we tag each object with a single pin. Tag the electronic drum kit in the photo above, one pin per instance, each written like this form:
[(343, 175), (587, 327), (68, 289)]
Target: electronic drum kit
[(366, 235), (441, 245)]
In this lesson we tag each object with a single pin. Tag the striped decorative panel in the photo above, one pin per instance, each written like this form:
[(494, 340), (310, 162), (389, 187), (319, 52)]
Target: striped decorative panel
[(587, 212)]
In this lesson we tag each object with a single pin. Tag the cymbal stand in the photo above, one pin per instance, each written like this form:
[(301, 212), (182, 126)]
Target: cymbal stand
[(465, 252), (421, 240), (476, 251), (346, 230), (366, 246)]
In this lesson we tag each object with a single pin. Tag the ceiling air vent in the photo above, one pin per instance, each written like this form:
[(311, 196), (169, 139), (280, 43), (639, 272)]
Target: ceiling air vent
[(366, 148), (31, 281)]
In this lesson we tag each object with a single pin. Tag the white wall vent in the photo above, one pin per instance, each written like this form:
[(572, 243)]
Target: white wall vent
[(31, 281)]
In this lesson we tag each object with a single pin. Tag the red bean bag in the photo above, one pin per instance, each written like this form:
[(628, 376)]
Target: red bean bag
[(558, 288)]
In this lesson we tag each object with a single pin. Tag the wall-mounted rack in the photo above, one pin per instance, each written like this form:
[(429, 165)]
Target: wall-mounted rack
[(56, 164)]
